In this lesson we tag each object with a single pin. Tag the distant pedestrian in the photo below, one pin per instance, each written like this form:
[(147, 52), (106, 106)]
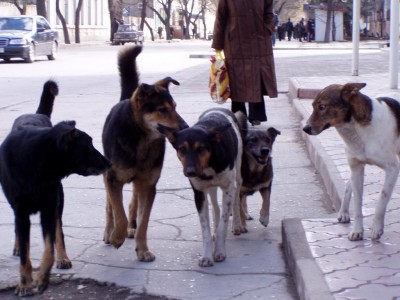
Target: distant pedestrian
[(171, 32), (160, 30), (114, 28), (276, 23), (289, 29), (194, 31)]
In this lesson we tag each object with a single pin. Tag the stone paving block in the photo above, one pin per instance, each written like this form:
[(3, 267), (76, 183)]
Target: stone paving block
[(371, 292)]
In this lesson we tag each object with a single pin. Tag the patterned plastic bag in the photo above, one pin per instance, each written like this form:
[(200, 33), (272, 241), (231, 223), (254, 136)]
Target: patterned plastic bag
[(219, 80)]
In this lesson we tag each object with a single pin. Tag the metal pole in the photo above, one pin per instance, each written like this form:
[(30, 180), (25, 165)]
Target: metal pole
[(394, 43), (356, 36)]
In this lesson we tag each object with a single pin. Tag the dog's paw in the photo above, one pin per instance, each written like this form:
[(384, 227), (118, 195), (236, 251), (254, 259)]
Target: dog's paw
[(343, 217), (64, 264), (356, 236), (219, 257), (23, 291), (16, 252), (117, 239), (264, 220), (145, 256), (249, 218), (237, 230), (131, 233), (376, 232), (206, 262)]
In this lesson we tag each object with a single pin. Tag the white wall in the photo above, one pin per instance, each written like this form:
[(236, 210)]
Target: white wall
[(320, 23)]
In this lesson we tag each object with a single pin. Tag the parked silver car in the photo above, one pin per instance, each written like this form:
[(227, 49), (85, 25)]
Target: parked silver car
[(27, 37), (128, 34)]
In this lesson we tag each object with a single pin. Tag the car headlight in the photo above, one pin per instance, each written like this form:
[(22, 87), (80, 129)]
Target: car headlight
[(17, 42)]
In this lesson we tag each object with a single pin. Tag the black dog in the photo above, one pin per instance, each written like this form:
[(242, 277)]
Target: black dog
[(136, 149), (257, 169), (34, 158), (210, 152)]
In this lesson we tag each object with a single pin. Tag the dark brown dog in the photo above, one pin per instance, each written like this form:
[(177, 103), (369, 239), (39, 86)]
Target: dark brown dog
[(257, 170), (34, 158), (136, 149), (42, 119)]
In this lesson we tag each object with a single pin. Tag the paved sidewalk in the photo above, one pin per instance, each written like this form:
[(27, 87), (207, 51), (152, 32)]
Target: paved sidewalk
[(325, 264)]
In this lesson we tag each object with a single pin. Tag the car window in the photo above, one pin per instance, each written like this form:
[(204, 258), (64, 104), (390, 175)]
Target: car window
[(42, 23), (16, 24)]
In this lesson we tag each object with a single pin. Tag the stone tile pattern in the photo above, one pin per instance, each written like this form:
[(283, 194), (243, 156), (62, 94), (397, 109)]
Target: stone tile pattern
[(363, 269)]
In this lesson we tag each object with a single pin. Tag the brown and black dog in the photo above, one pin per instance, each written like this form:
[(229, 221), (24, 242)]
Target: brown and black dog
[(136, 149), (257, 170), (34, 158)]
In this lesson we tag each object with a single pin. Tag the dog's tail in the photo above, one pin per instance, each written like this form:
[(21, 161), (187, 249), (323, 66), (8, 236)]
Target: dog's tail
[(50, 91), (128, 72)]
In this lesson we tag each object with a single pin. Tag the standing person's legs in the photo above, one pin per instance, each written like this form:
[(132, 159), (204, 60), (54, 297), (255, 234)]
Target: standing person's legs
[(238, 106), (257, 112)]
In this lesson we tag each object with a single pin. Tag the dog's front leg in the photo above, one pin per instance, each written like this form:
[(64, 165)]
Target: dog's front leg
[(391, 173), (212, 192), (202, 209), (115, 233), (133, 207), (357, 183), (229, 202), (146, 194), (344, 212), (264, 212)]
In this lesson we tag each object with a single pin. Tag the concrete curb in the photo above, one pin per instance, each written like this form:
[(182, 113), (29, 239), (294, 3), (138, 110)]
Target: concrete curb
[(308, 277)]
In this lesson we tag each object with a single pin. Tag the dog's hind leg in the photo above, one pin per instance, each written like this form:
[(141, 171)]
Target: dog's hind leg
[(116, 221), (16, 245), (23, 225), (264, 212), (49, 223), (391, 173), (344, 212), (62, 261), (146, 194), (133, 207)]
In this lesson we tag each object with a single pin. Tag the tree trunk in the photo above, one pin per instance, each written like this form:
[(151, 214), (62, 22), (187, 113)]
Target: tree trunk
[(151, 30), (41, 8), (21, 9), (78, 21), (328, 21), (143, 14), (115, 9), (63, 22)]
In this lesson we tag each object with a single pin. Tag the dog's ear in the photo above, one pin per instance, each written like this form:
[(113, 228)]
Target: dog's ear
[(216, 133), (142, 92), (273, 132), (67, 137), (170, 133), (361, 105), (351, 89), (166, 81)]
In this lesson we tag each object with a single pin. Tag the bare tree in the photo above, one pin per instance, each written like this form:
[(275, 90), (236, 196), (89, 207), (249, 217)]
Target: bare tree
[(21, 6), (115, 9), (78, 21), (63, 22), (167, 7)]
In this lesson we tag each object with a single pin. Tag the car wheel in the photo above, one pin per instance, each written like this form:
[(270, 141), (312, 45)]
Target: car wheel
[(122, 43), (54, 49), (31, 54), (7, 60)]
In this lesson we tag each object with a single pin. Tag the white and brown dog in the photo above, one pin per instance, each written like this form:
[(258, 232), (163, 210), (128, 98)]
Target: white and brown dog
[(370, 129)]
